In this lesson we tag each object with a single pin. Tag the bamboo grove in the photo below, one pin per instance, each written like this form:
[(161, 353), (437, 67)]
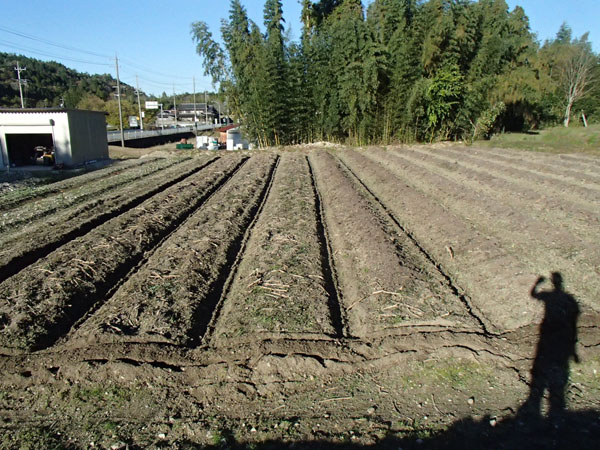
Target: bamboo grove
[(403, 70)]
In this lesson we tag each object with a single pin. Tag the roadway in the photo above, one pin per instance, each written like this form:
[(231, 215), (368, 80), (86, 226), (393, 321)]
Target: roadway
[(128, 135)]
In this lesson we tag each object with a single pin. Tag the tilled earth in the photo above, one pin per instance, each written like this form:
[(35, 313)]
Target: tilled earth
[(350, 298)]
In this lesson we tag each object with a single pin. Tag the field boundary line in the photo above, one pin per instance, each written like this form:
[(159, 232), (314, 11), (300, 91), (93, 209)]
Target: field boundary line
[(337, 312), (19, 263), (103, 298), (56, 186), (456, 290), (82, 200), (205, 337)]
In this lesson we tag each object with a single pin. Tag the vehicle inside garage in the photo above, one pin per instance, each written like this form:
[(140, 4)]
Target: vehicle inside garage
[(28, 149), (54, 137)]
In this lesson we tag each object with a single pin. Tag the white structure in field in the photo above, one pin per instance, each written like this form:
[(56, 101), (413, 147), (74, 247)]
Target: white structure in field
[(77, 136), (234, 139)]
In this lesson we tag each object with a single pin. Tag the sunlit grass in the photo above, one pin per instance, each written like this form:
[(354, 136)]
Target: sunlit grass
[(575, 139)]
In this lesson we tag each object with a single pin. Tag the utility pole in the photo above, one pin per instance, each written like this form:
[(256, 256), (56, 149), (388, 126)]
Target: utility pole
[(19, 69), (205, 109), (137, 90), (175, 104), (195, 114), (119, 98)]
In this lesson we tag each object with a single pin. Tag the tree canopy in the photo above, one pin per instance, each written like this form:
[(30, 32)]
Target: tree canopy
[(402, 70)]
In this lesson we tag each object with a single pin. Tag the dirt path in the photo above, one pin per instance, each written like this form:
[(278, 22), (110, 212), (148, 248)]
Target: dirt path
[(281, 286)]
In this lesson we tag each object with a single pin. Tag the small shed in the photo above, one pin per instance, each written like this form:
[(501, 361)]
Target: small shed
[(77, 136)]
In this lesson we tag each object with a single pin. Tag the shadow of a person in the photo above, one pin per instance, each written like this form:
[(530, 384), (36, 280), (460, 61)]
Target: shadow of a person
[(556, 346)]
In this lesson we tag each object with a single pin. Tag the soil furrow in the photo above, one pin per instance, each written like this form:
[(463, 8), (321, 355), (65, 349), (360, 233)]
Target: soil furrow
[(475, 262), (563, 215), (544, 164), (22, 194), (281, 285), (534, 242), (385, 282), (172, 297), (40, 304), (549, 190), (43, 208), (544, 182), (456, 290), (592, 160), (547, 161), (35, 242), (338, 314)]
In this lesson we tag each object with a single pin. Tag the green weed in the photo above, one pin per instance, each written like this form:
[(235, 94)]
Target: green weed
[(114, 395)]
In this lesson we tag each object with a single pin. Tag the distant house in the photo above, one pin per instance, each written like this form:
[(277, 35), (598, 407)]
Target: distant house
[(165, 119), (75, 136), (204, 112)]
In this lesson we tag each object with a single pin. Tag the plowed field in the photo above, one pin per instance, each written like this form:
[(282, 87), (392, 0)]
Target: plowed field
[(316, 298)]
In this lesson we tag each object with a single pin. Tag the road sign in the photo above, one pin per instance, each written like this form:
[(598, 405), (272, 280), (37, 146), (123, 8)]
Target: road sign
[(151, 105)]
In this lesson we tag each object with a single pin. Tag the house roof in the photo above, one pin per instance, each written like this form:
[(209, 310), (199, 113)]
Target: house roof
[(45, 110), (228, 127)]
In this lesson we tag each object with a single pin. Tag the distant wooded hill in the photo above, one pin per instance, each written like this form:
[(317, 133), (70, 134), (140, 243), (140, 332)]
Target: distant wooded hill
[(50, 84)]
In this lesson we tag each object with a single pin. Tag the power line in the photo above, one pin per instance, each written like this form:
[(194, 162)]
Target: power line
[(151, 71), (160, 84), (123, 62), (50, 55), (47, 42), (128, 63)]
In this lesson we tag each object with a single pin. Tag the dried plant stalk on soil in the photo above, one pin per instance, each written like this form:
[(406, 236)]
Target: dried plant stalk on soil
[(88, 193), (385, 281), (40, 303), (171, 299), (20, 194), (24, 245), (280, 285)]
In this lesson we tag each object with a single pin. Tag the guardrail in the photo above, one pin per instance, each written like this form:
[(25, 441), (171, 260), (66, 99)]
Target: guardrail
[(115, 136)]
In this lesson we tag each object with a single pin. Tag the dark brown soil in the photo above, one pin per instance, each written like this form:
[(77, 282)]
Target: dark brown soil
[(42, 208), (385, 281), (33, 188), (313, 299), (26, 244), (172, 298), (40, 303), (281, 286)]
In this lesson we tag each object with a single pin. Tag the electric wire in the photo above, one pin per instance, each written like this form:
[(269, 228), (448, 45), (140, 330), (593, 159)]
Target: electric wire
[(47, 42), (19, 47), (123, 62)]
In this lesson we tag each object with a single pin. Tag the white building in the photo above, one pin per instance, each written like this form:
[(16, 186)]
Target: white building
[(77, 136)]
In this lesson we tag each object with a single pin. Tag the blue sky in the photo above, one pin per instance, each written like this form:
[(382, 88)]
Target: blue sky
[(152, 38)]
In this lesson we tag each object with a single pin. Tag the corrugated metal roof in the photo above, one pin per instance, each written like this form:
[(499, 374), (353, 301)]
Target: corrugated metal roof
[(45, 110)]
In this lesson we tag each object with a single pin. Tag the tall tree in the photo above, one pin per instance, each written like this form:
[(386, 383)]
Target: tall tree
[(575, 66)]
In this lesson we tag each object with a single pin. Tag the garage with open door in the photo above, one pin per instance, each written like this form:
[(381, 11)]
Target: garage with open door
[(62, 137), (25, 149)]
